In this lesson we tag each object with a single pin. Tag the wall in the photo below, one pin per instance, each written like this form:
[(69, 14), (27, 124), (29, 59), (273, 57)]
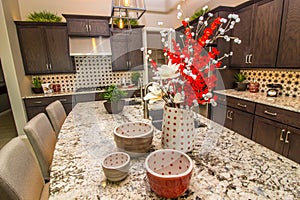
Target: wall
[(11, 61)]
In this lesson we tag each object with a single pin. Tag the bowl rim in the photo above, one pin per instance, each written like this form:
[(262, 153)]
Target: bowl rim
[(167, 175), (119, 166), (137, 136)]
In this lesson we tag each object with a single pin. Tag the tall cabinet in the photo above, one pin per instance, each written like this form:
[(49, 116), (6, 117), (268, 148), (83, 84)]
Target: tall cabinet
[(44, 48), (259, 31)]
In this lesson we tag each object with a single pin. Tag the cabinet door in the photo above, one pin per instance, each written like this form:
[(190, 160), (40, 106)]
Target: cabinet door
[(135, 43), (269, 133), (242, 30), (78, 27), (33, 49), (58, 49), (242, 122), (289, 46), (266, 29), (292, 141), (98, 27), (119, 50)]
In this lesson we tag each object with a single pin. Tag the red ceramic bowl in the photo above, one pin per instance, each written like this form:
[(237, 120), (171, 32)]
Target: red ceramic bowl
[(169, 172)]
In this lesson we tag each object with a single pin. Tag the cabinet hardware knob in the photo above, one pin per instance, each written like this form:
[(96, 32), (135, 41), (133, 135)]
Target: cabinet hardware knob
[(242, 105), (62, 100), (287, 137), (270, 113), (281, 135), (38, 102)]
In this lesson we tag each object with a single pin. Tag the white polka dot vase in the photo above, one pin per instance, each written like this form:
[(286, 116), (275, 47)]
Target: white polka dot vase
[(178, 130)]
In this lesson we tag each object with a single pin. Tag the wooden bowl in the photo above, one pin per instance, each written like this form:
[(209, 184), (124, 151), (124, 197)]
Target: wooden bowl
[(116, 166), (169, 172), (134, 138)]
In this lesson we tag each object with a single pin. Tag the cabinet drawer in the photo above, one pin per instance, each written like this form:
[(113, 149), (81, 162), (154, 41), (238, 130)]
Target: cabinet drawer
[(44, 101), (241, 104), (284, 116), (222, 99)]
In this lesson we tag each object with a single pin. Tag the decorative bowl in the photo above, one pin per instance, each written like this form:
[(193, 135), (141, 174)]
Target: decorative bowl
[(116, 166), (169, 172), (134, 138)]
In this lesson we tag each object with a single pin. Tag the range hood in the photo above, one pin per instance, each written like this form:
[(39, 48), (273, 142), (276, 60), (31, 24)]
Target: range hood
[(89, 46)]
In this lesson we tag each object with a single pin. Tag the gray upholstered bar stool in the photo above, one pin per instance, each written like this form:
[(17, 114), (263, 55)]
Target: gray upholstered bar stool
[(43, 139), (57, 115), (20, 173)]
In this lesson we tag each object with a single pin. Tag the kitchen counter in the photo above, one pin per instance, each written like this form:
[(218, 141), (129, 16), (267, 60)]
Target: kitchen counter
[(227, 165), (288, 103)]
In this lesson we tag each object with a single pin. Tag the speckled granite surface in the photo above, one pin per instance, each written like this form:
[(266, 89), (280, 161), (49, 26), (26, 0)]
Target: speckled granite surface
[(227, 165), (288, 103)]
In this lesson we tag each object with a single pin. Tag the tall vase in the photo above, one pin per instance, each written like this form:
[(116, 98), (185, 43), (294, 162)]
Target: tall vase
[(178, 129)]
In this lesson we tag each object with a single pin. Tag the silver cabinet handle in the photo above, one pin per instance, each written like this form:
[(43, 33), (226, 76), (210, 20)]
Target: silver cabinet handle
[(47, 66), (270, 113), (87, 28), (250, 58), (50, 66), (281, 135), (242, 105), (231, 112), (62, 100), (221, 99), (38, 102), (287, 137), (228, 113), (90, 27), (246, 61), (129, 63)]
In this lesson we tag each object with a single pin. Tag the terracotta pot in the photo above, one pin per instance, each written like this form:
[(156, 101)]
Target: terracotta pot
[(178, 129), (169, 172), (114, 107)]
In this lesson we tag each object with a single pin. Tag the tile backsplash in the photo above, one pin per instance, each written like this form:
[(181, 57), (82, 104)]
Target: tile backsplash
[(289, 79), (91, 71)]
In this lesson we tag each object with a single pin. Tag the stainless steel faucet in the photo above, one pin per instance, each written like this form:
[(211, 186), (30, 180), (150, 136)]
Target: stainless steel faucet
[(145, 102)]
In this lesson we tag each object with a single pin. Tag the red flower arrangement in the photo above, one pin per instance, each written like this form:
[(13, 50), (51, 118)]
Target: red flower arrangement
[(189, 77)]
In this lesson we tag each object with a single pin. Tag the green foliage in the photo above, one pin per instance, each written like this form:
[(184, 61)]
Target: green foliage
[(199, 13), (135, 77), (43, 16), (239, 77), (113, 93), (133, 22), (37, 82)]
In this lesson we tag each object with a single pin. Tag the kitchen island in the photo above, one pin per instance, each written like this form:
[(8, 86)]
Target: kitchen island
[(227, 165)]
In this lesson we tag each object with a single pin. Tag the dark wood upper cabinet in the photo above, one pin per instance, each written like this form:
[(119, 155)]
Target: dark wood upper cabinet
[(44, 48), (259, 31), (289, 46), (86, 25), (126, 50)]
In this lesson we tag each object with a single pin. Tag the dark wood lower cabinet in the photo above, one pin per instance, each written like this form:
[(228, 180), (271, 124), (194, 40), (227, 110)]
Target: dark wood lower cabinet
[(241, 122), (278, 137)]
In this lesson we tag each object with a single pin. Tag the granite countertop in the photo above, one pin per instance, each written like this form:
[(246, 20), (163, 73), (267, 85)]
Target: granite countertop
[(288, 103), (227, 165), (32, 96)]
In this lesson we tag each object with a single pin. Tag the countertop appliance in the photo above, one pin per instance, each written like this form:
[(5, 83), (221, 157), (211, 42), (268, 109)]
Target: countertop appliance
[(273, 90)]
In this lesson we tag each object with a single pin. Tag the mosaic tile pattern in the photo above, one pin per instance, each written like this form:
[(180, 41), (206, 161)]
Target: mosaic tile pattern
[(289, 79), (91, 71)]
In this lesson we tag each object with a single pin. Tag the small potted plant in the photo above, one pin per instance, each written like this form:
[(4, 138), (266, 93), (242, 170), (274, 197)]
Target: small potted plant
[(241, 82), (37, 85), (135, 77), (114, 103)]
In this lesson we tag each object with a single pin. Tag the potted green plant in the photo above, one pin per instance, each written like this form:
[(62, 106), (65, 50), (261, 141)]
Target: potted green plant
[(135, 77), (43, 16), (241, 82), (114, 103), (37, 85)]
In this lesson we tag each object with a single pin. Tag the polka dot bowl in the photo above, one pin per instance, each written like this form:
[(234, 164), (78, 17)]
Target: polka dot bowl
[(134, 138), (169, 172), (116, 166)]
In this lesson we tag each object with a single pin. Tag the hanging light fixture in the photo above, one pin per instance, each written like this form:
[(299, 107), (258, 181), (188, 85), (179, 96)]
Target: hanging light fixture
[(125, 10)]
